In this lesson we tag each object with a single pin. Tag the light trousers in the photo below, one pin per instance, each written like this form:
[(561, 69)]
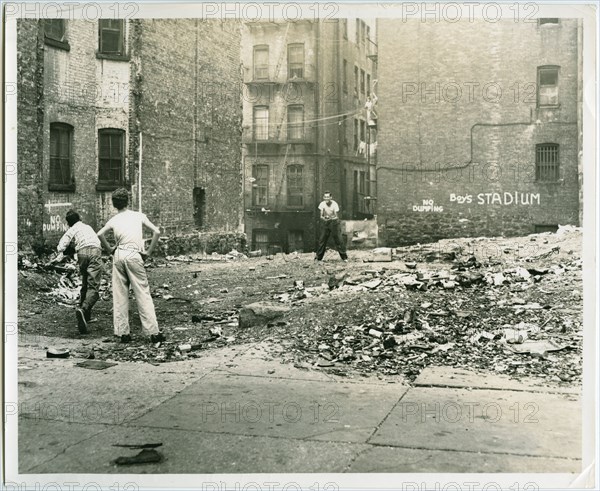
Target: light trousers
[(128, 270)]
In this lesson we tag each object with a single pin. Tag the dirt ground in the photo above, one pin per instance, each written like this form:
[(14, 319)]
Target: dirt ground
[(452, 303)]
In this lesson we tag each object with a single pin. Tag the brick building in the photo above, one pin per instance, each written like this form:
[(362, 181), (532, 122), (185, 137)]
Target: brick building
[(479, 128), (110, 103), (305, 127)]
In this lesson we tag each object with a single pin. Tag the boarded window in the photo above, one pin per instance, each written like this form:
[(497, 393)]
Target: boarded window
[(547, 86), (547, 162), (261, 62), (295, 122), (295, 185), (112, 36), (61, 154), (296, 60), (111, 153), (261, 123), (260, 185)]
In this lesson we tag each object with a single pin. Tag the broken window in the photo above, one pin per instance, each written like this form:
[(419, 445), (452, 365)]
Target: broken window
[(111, 154), (260, 185), (295, 122), (546, 162), (295, 185), (296, 60), (112, 36), (548, 86), (261, 123), (61, 174), (261, 62)]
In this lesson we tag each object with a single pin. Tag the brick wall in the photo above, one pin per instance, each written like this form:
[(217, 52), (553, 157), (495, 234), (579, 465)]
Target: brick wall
[(463, 96), (187, 102), (29, 134)]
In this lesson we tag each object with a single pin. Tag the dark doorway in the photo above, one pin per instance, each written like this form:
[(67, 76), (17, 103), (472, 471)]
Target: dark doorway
[(199, 206)]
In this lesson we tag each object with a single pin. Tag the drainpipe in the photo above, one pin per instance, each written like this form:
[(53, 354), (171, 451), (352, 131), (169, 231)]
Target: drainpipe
[(140, 177)]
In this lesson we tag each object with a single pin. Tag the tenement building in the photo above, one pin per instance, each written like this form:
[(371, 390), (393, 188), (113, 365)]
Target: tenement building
[(150, 105), (309, 126), (479, 128)]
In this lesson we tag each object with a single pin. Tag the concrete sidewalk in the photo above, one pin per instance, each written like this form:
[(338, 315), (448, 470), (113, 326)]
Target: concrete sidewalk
[(236, 410)]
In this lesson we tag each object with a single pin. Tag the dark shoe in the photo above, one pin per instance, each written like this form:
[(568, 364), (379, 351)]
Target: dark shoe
[(158, 338), (125, 338), (81, 321), (87, 314)]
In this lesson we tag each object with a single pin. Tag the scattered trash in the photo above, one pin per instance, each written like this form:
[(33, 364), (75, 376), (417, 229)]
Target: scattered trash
[(58, 353), (95, 364)]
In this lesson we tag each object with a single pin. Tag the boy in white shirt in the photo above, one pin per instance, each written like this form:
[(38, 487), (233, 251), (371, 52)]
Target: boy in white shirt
[(128, 267), (330, 225)]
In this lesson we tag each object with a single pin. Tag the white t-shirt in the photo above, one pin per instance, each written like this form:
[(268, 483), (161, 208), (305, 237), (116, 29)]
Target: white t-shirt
[(127, 227), (329, 211)]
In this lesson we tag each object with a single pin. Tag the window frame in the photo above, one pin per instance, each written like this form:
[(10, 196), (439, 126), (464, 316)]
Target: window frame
[(299, 189), (256, 186), (263, 48), (112, 184), (67, 185), (295, 125), (264, 126), (122, 54), (540, 70), (56, 41), (295, 65), (545, 168)]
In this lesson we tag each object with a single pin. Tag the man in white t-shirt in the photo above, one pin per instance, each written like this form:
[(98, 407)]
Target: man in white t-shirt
[(128, 267), (330, 225)]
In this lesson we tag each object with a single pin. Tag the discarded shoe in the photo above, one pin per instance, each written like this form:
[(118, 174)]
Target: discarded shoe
[(81, 321), (158, 338), (125, 338)]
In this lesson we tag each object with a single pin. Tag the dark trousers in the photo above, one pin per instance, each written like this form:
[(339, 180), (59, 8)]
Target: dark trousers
[(90, 267), (331, 227)]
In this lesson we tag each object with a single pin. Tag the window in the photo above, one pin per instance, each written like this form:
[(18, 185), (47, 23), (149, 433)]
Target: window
[(548, 21), (368, 33), (260, 186), (368, 84), (112, 37), (546, 162), (261, 123), (295, 241), (295, 186), (296, 60), (61, 153), (539, 229), (261, 62), (548, 86), (363, 30), (355, 134), (345, 76), (295, 129), (344, 28), (345, 131), (362, 131), (357, 31), (355, 80), (260, 240), (362, 81), (111, 155)]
